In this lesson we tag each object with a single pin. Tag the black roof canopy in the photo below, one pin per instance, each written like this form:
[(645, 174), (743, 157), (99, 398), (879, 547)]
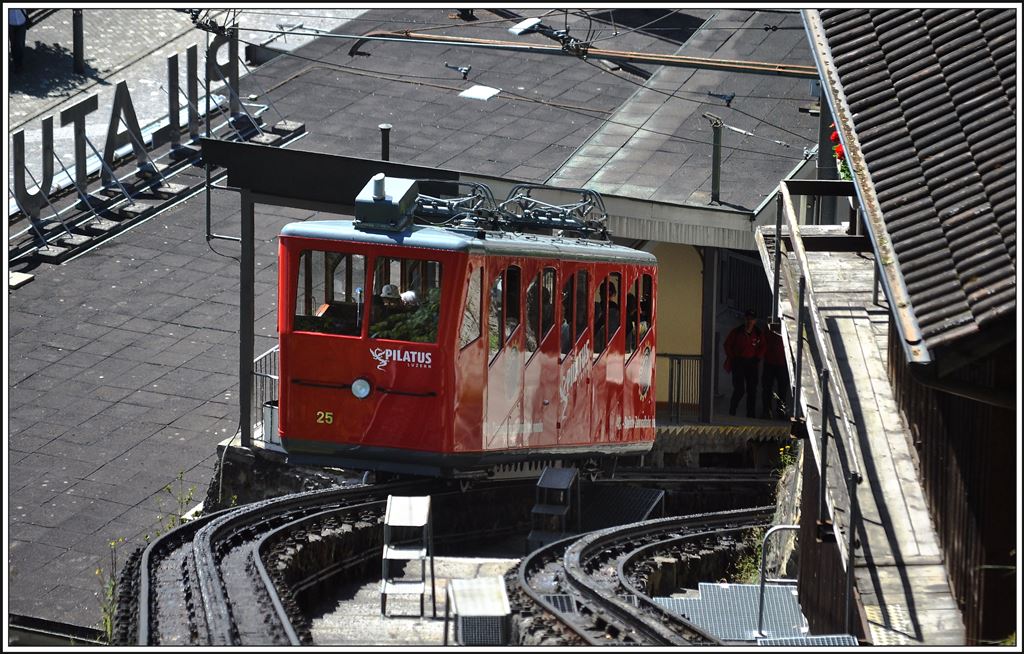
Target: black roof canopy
[(925, 104)]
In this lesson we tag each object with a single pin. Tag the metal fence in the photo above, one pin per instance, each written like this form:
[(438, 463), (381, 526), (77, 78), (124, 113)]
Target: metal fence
[(683, 387), (263, 414)]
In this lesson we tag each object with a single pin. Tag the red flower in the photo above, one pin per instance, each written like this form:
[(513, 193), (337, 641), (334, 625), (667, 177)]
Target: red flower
[(835, 137), (840, 153)]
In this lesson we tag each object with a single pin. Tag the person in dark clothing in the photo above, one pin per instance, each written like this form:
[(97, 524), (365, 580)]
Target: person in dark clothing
[(744, 347), (774, 377), (17, 25)]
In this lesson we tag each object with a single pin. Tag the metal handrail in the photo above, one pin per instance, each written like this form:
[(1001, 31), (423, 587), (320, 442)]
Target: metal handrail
[(265, 384), (764, 557), (831, 387), (817, 329)]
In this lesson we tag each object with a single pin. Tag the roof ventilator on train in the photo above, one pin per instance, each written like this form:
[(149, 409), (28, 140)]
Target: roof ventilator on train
[(392, 204)]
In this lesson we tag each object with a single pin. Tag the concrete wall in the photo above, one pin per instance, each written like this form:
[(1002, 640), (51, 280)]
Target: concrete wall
[(679, 305)]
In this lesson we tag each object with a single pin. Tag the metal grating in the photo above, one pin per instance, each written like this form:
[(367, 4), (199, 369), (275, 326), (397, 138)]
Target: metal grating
[(562, 603), (729, 611), (838, 640), (931, 98), (483, 630)]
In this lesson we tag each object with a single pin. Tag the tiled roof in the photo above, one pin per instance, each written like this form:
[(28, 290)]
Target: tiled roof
[(928, 98)]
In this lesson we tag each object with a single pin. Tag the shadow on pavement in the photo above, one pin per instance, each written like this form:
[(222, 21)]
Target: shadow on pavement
[(48, 70)]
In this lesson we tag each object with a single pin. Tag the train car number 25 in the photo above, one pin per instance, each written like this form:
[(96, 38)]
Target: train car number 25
[(325, 417)]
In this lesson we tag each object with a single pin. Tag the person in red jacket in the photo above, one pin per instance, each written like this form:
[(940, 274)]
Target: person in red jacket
[(775, 377), (744, 347)]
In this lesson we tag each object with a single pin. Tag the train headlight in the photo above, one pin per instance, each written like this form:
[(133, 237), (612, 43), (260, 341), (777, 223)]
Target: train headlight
[(361, 388)]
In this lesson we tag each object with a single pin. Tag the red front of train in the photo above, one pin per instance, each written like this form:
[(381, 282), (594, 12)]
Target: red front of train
[(434, 351)]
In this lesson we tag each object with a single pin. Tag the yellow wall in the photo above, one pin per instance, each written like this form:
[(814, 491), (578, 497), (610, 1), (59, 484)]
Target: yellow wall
[(679, 305)]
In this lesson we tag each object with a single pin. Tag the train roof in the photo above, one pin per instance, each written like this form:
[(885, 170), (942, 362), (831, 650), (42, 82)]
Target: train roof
[(468, 240)]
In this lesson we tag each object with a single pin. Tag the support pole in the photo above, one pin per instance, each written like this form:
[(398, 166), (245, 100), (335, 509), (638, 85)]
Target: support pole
[(778, 258), (707, 339), (385, 141), (826, 410), (852, 482), (801, 313), (716, 156), (78, 40), (246, 318)]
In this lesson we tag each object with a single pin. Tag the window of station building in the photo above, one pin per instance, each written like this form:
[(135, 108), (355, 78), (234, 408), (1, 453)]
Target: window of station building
[(405, 308), (471, 313), (328, 298), (606, 312)]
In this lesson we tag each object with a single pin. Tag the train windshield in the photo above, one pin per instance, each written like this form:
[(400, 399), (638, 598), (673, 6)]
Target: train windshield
[(406, 300), (328, 296)]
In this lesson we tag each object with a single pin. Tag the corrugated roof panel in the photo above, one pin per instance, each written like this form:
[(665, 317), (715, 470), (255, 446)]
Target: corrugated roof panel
[(931, 94)]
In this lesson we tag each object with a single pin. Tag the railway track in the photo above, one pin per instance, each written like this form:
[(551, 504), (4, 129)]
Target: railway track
[(205, 583), (247, 575), (591, 586), (241, 576)]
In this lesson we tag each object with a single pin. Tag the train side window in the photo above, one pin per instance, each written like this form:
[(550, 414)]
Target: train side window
[(400, 311), (632, 312), (495, 322), (327, 298), (645, 306), (606, 312), (470, 330), (512, 304), (614, 310), (566, 328), (582, 315), (547, 302), (532, 314)]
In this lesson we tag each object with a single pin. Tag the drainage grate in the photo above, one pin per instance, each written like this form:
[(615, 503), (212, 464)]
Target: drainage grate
[(483, 630), (563, 603), (836, 640)]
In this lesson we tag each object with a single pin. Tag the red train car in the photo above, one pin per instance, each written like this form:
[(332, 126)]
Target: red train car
[(456, 351)]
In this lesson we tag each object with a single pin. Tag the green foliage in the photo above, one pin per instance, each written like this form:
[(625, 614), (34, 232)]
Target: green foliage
[(787, 457), (747, 568), (182, 498), (417, 326), (108, 590)]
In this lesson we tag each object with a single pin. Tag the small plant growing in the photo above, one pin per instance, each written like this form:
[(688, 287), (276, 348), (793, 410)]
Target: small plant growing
[(182, 498), (108, 591), (787, 456), (747, 568)]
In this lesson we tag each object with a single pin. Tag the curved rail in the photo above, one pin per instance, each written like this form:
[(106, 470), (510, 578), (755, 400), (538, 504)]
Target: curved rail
[(202, 544), (619, 610), (658, 625)]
